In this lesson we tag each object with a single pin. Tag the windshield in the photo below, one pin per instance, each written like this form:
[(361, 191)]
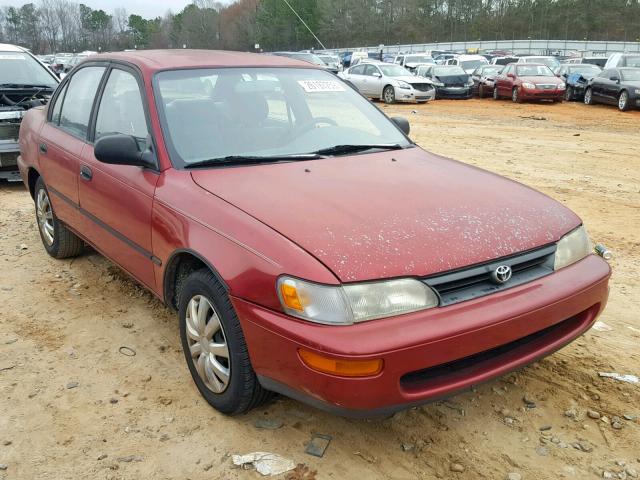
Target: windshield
[(548, 61), (630, 74), (585, 68), (21, 69), (394, 71), (534, 71), (308, 57), (445, 71), (264, 112), (418, 59), (472, 64)]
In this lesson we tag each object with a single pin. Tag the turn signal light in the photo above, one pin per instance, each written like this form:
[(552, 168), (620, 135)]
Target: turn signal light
[(341, 368), (290, 296)]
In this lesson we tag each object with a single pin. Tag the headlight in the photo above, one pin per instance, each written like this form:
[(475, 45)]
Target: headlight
[(562, 86), (572, 247), (438, 84), (637, 91), (348, 304), (528, 85), (402, 84)]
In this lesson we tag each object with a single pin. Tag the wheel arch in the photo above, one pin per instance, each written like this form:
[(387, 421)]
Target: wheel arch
[(179, 265), (32, 178)]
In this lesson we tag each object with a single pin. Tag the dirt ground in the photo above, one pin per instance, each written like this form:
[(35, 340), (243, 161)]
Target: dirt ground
[(72, 406)]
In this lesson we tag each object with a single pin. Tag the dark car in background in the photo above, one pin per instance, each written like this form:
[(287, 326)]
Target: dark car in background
[(576, 76), (483, 78), (615, 86), (25, 83), (450, 81)]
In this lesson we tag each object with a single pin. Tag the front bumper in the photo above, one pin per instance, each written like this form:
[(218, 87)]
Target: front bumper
[(537, 94), (454, 92), (9, 152), (413, 95), (430, 354)]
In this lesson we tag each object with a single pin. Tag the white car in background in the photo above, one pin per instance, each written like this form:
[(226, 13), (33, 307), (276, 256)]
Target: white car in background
[(469, 63), (551, 62), (389, 82)]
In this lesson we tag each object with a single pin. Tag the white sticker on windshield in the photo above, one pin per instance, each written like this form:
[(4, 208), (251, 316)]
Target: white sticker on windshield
[(312, 86), (9, 56)]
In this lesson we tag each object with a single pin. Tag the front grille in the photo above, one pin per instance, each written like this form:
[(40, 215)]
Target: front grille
[(455, 85), (9, 159), (473, 282), (422, 87), (546, 86)]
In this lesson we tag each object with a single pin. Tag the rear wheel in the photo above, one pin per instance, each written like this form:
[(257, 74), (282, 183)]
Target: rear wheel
[(57, 239), (623, 101), (389, 94), (214, 346), (588, 96)]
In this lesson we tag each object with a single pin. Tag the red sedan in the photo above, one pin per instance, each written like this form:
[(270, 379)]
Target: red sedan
[(308, 245), (528, 81)]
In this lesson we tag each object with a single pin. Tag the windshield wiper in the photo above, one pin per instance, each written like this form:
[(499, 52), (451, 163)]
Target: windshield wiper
[(340, 149), (251, 160), (25, 85)]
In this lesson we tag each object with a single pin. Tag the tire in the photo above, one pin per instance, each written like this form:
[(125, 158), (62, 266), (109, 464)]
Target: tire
[(57, 239), (240, 391), (480, 91), (623, 101), (568, 94), (389, 94), (495, 93), (588, 96), (515, 96)]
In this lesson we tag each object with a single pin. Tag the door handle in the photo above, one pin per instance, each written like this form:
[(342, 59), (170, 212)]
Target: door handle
[(43, 148), (86, 173)]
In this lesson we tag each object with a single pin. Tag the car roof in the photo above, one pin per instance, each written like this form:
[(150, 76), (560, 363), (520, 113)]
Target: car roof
[(6, 47), (156, 60)]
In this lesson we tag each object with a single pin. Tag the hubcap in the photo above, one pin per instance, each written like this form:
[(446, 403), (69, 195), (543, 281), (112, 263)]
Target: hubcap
[(515, 95), (587, 96), (622, 103), (208, 344), (389, 95), (45, 217)]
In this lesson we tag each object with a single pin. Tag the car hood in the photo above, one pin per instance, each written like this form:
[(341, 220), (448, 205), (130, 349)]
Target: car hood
[(545, 80), (451, 79), (392, 214), (631, 83), (411, 79)]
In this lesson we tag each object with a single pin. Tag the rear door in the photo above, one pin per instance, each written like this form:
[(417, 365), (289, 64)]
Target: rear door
[(62, 139), (117, 199)]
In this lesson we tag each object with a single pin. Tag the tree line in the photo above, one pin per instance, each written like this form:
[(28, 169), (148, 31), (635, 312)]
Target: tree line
[(63, 25)]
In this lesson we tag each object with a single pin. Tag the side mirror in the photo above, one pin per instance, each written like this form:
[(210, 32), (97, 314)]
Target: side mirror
[(402, 123), (511, 75), (377, 74), (615, 78), (120, 149)]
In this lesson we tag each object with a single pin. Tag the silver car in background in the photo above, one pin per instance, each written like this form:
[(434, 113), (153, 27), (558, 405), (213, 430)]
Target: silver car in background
[(389, 82)]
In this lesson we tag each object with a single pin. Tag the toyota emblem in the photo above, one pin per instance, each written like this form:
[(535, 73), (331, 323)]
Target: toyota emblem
[(501, 274)]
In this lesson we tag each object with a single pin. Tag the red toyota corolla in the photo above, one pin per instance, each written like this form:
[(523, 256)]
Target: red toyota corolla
[(309, 246), (528, 81)]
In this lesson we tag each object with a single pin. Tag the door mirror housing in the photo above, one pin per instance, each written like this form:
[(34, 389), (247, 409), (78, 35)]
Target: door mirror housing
[(120, 149), (615, 78), (377, 74), (402, 123), (511, 75)]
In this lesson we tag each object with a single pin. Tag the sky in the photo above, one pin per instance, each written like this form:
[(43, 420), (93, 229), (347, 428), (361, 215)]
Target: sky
[(146, 8)]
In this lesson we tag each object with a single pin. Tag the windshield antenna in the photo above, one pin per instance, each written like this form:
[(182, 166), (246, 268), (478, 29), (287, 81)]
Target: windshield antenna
[(305, 24)]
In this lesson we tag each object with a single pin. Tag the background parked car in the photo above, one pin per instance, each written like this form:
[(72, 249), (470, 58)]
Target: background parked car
[(468, 62), (483, 78), (410, 62), (623, 60), (332, 62), (450, 81), (389, 82), (551, 62), (533, 81), (576, 76), (599, 61), (25, 83), (615, 86), (503, 60), (306, 57)]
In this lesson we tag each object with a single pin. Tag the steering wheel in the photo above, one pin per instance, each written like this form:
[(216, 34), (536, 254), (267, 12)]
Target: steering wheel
[(310, 124)]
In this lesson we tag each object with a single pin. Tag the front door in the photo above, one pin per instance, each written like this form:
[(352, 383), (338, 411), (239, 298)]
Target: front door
[(117, 199)]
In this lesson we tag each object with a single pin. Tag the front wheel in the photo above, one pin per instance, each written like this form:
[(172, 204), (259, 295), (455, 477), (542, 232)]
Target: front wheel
[(588, 96), (568, 94), (495, 93), (389, 94), (515, 96), (57, 239), (623, 101), (214, 346), (480, 91)]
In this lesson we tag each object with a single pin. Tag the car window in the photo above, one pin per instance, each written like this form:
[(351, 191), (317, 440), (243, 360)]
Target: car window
[(370, 70), (357, 70), (55, 113), (534, 71), (121, 109), (78, 101), (613, 74)]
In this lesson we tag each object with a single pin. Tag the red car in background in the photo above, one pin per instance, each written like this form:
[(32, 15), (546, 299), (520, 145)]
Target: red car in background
[(308, 245), (528, 81)]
